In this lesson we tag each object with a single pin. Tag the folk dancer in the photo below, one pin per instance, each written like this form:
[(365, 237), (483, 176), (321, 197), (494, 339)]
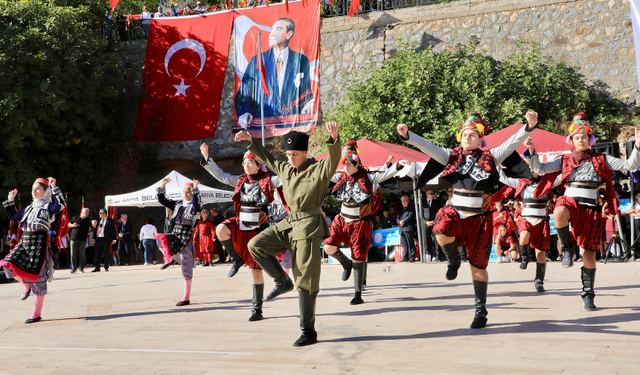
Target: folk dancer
[(468, 220)]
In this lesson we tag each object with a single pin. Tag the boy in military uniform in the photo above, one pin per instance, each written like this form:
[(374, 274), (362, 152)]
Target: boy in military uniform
[(305, 182)]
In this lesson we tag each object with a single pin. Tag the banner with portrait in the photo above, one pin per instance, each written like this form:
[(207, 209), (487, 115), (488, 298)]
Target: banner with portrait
[(290, 47)]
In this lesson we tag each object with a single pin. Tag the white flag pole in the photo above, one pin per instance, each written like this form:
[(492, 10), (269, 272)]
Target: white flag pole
[(635, 18), (260, 64)]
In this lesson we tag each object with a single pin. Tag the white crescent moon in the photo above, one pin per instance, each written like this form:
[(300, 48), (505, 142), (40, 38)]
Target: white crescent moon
[(186, 43)]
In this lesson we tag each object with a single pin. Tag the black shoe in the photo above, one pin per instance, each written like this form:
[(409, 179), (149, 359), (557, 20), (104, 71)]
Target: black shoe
[(25, 295), (96, 270), (105, 270), (256, 314), (478, 322), (34, 320), (81, 270), (235, 267), (306, 339), (73, 270), (452, 271), (347, 273), (567, 259), (587, 301), (205, 264), (166, 265), (280, 289), (540, 288), (357, 300), (183, 303)]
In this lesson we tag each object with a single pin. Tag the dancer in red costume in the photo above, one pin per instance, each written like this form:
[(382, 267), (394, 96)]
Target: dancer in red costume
[(205, 234), (582, 171), (254, 191), (468, 220)]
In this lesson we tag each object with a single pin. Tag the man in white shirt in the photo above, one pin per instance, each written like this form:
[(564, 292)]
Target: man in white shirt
[(106, 235), (147, 234)]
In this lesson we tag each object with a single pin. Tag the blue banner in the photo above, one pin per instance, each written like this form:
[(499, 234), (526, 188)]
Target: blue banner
[(386, 237)]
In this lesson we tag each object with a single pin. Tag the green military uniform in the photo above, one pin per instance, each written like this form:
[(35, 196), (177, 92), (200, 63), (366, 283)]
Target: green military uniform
[(303, 231)]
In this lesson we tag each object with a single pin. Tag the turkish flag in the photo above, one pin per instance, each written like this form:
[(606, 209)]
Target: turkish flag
[(114, 4), (183, 77), (63, 229)]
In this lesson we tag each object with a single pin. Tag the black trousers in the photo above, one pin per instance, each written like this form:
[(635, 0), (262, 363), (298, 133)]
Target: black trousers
[(125, 250), (406, 238), (101, 250)]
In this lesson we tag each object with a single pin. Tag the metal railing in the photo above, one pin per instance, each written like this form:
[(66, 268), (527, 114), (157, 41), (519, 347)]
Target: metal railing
[(341, 7)]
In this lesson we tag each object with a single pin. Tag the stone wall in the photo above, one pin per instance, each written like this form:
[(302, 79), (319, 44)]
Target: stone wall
[(594, 35)]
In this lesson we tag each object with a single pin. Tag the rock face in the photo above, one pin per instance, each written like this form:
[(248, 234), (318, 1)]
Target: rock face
[(594, 35)]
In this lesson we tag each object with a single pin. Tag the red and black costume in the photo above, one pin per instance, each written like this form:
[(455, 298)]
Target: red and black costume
[(204, 234), (251, 199), (582, 172), (361, 197), (469, 219)]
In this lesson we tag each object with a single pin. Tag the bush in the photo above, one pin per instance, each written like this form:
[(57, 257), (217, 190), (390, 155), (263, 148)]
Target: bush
[(434, 93)]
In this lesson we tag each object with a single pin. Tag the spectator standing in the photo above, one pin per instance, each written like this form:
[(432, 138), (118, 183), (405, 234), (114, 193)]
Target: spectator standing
[(145, 21), (159, 13), (91, 241), (407, 221), (430, 210), (174, 11), (125, 245), (80, 226), (200, 8), (108, 25), (106, 235), (169, 222), (147, 232), (387, 220), (188, 11), (121, 21)]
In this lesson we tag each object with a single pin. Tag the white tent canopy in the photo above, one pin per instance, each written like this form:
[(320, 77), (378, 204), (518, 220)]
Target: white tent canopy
[(148, 197)]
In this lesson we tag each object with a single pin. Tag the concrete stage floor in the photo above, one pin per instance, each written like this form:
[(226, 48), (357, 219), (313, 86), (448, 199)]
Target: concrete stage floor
[(413, 322)]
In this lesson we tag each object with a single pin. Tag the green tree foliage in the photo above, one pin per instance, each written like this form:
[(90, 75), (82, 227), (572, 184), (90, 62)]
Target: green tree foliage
[(57, 85), (434, 93)]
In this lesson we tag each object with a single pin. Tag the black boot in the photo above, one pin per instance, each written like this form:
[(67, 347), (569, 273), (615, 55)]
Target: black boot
[(588, 282), (453, 260), (273, 268), (236, 261), (345, 262), (307, 320), (524, 251), (541, 269), (480, 290), (358, 278), (256, 312), (364, 279), (566, 246)]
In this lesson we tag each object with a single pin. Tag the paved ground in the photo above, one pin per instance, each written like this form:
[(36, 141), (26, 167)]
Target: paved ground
[(413, 321)]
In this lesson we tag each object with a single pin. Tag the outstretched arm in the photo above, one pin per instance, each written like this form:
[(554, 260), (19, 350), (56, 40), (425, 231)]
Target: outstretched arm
[(631, 163), (169, 203), (511, 182), (378, 177), (330, 164), (500, 153), (441, 155), (534, 161), (210, 166)]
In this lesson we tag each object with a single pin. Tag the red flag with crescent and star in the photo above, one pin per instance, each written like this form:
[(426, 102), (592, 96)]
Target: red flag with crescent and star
[(183, 77)]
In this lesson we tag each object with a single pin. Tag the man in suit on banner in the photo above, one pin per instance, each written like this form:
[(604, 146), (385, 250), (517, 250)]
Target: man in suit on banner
[(288, 80)]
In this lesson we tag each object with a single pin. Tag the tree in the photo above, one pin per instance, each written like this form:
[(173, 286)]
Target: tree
[(434, 93), (56, 107)]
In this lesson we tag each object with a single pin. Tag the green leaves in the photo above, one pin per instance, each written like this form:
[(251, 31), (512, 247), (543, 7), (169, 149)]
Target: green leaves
[(433, 93), (57, 95)]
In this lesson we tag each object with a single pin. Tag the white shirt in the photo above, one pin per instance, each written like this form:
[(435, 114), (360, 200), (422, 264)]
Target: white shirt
[(159, 14), (101, 224), (145, 16), (285, 57), (147, 232)]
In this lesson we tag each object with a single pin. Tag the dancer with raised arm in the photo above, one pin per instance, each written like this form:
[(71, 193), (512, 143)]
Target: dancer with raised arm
[(468, 221), (305, 182), (253, 193), (177, 246), (358, 189), (533, 223), (582, 171), (30, 261)]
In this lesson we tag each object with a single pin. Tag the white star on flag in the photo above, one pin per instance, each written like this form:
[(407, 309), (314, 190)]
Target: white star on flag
[(181, 89)]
